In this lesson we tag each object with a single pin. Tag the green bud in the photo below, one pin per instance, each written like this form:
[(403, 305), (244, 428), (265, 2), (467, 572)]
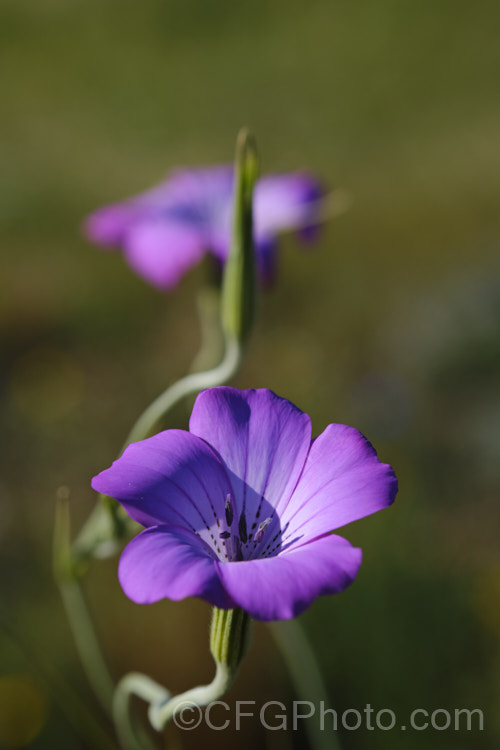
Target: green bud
[(239, 283)]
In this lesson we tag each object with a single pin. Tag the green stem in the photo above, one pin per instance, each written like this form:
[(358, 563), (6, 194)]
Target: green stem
[(229, 638), (193, 383), (77, 612), (86, 641), (306, 677), (212, 337), (160, 716), (132, 737), (94, 665)]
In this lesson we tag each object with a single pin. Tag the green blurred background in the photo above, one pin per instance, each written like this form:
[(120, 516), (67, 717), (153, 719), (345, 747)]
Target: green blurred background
[(392, 324)]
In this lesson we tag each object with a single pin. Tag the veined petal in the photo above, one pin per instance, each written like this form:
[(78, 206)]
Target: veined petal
[(171, 478), (281, 587), (263, 440), (170, 563), (163, 250), (343, 480)]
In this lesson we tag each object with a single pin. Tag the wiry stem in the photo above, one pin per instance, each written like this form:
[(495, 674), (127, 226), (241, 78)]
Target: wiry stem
[(203, 695), (77, 612), (132, 736), (228, 642), (86, 642), (193, 383)]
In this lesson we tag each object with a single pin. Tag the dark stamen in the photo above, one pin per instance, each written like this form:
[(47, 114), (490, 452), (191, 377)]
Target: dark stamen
[(229, 510), (242, 528)]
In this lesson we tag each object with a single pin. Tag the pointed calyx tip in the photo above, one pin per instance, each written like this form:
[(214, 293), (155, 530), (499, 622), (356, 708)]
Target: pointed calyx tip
[(239, 285)]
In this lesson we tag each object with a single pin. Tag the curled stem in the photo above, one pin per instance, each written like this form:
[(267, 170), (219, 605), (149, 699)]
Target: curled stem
[(161, 715), (132, 736), (229, 638)]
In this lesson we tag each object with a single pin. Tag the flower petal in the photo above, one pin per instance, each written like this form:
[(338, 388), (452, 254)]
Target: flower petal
[(108, 226), (263, 440), (198, 199), (170, 563), (162, 251), (281, 587), (343, 480), (203, 189), (171, 478), (284, 201)]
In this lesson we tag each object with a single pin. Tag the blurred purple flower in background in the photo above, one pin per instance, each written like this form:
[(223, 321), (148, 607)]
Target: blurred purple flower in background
[(165, 231), (238, 510)]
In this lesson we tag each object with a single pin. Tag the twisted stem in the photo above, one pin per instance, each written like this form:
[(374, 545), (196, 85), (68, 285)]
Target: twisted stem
[(228, 642)]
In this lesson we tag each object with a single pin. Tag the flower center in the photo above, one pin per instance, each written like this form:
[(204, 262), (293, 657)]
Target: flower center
[(235, 537), (241, 542)]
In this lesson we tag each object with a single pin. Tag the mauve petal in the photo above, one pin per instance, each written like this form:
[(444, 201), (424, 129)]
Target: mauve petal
[(281, 587), (170, 563), (108, 226), (199, 199), (165, 230), (171, 478), (283, 202), (204, 199), (162, 251), (343, 480), (263, 440), (199, 185)]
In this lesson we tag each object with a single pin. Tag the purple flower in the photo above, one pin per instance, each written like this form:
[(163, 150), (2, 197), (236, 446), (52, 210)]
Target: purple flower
[(167, 230), (238, 510)]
